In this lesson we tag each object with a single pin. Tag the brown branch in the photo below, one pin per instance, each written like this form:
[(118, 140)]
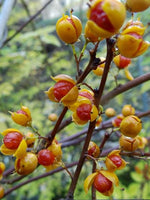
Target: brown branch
[(54, 131), (26, 23), (122, 88), (38, 177), (109, 58)]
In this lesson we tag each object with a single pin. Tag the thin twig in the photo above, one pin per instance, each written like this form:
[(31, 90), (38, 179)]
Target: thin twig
[(123, 88), (26, 23), (38, 177)]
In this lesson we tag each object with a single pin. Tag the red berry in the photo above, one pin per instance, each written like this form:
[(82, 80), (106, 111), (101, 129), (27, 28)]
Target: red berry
[(84, 112), (21, 112), (12, 140), (61, 88), (116, 160), (100, 18), (46, 157), (87, 95), (137, 36), (91, 150), (124, 62), (117, 121), (102, 184)]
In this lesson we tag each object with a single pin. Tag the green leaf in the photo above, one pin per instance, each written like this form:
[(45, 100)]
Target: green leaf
[(137, 177), (51, 39), (145, 87)]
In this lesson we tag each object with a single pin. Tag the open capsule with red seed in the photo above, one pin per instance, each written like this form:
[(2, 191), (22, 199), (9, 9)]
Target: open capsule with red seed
[(64, 90), (105, 17), (114, 161)]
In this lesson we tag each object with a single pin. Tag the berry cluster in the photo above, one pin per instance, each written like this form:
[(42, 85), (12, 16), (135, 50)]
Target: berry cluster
[(105, 20)]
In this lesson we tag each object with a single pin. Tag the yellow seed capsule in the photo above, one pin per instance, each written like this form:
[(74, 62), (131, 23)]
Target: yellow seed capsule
[(52, 117), (89, 34), (2, 169), (110, 112), (22, 116), (131, 126), (1, 192), (137, 5), (130, 42), (128, 110), (27, 164), (69, 28), (142, 142), (128, 144)]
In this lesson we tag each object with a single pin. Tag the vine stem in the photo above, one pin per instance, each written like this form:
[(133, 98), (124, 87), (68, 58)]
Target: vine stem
[(109, 57)]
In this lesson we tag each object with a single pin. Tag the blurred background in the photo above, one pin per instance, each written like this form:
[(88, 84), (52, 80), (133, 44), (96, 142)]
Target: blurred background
[(27, 63)]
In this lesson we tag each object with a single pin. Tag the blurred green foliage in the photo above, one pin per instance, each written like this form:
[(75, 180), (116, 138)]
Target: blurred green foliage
[(27, 63)]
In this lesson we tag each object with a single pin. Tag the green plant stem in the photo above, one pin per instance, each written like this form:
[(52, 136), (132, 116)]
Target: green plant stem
[(76, 58)]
